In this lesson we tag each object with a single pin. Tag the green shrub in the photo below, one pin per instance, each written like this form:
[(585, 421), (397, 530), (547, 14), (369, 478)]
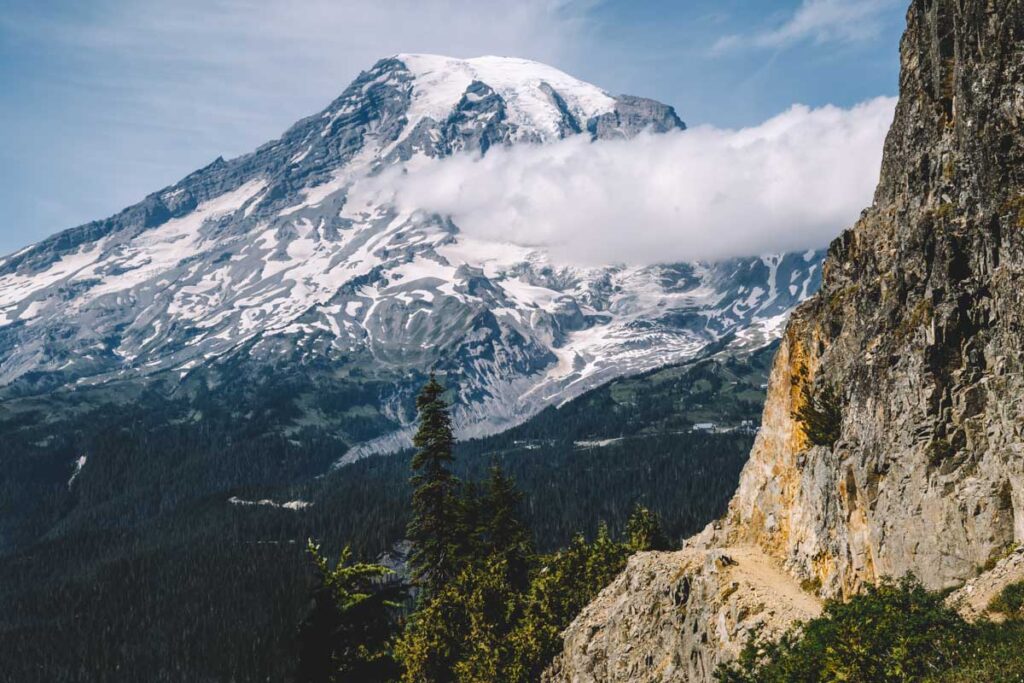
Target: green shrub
[(895, 631), (812, 585), (1010, 601), (996, 655), (644, 532)]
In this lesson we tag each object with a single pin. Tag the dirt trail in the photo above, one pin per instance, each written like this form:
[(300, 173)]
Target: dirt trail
[(762, 575)]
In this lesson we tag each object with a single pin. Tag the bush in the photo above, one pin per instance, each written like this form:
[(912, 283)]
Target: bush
[(1010, 601), (995, 656), (643, 531), (895, 631)]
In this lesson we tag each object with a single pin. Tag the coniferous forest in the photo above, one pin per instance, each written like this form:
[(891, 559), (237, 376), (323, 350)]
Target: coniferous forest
[(144, 569)]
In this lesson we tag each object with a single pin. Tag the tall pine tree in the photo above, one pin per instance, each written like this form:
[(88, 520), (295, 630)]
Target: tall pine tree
[(434, 528)]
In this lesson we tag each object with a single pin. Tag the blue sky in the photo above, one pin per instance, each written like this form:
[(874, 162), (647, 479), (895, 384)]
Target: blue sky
[(108, 100)]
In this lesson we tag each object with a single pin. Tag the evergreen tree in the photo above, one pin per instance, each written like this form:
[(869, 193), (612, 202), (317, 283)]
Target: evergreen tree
[(605, 559), (494, 606), (564, 584), (435, 637), (349, 633), (462, 633), (470, 514), (503, 534), (643, 531), (557, 592), (434, 525)]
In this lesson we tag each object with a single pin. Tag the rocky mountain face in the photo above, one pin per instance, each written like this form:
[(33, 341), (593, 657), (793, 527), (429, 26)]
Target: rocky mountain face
[(913, 350), (275, 265)]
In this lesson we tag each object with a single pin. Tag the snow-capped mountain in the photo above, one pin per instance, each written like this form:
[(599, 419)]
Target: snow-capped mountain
[(274, 262)]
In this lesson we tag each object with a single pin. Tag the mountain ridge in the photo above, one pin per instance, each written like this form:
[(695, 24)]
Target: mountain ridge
[(275, 260)]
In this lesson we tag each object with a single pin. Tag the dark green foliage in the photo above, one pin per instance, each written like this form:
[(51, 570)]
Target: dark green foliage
[(143, 570), (146, 571), (564, 583), (496, 620), (462, 633), (434, 523), (1010, 601), (460, 630), (895, 631), (494, 606), (482, 628), (687, 479), (164, 566), (350, 632), (498, 529), (821, 414), (994, 655), (643, 531)]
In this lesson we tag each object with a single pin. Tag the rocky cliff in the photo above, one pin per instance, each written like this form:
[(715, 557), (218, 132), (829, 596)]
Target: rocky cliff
[(911, 356)]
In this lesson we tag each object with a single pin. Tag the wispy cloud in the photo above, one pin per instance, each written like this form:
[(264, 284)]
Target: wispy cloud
[(792, 182), (819, 21)]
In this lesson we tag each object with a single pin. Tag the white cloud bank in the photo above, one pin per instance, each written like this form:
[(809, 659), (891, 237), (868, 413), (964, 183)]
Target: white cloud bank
[(793, 182)]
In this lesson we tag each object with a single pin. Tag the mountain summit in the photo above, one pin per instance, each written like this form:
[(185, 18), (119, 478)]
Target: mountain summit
[(271, 270), (518, 99)]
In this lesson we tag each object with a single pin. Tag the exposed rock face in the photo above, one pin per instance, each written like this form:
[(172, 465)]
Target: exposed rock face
[(632, 115), (919, 328), (919, 325), (674, 616)]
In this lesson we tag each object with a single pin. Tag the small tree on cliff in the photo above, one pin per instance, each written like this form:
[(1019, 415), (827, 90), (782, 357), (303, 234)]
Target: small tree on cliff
[(821, 414), (643, 531)]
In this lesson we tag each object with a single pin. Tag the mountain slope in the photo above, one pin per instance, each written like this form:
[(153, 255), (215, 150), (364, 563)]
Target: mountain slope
[(918, 334), (277, 263)]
